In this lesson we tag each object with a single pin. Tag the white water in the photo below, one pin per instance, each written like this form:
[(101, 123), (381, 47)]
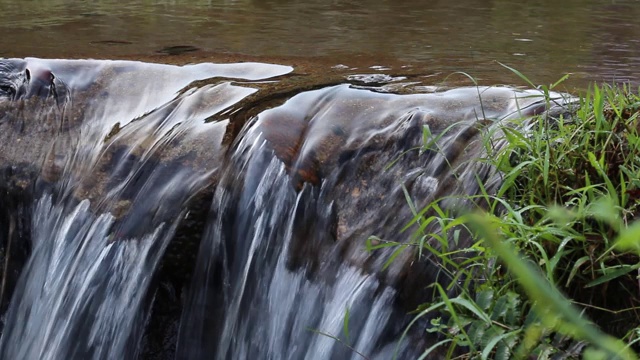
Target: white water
[(98, 239), (76, 272), (269, 310), (253, 297), (281, 267)]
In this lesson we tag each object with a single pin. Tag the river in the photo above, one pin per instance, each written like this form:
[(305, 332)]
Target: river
[(221, 209), (591, 39)]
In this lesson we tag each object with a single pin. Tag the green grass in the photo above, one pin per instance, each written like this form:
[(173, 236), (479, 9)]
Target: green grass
[(555, 265)]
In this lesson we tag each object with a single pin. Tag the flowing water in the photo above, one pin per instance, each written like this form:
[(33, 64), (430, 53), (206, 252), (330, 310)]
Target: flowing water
[(245, 208), (595, 40), (80, 230), (223, 209)]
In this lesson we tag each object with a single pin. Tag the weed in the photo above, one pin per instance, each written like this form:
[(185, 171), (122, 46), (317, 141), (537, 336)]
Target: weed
[(564, 225)]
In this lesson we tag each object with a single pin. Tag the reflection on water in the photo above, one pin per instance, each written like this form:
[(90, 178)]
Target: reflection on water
[(595, 40)]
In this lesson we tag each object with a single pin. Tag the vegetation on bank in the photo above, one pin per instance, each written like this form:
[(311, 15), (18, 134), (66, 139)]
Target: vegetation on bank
[(556, 251)]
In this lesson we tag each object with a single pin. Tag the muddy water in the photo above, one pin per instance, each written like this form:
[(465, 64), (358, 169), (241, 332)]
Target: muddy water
[(594, 40)]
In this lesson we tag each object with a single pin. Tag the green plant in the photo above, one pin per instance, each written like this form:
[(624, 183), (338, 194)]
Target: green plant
[(561, 223)]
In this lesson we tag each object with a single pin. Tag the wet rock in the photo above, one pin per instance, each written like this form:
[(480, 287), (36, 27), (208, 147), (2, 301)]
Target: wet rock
[(15, 238), (226, 158)]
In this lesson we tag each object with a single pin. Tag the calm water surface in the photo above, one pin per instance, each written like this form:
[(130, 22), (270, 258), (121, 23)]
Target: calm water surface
[(595, 40)]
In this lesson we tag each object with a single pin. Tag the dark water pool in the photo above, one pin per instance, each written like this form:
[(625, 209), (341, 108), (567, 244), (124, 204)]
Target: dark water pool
[(594, 40)]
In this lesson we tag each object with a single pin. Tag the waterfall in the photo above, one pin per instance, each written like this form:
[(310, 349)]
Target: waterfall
[(247, 209), (100, 230)]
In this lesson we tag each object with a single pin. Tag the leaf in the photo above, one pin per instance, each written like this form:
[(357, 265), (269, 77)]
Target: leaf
[(471, 307), (492, 331), (500, 308), (492, 343), (437, 325), (375, 243), (512, 316), (604, 209), (425, 354), (484, 299), (395, 254), (473, 80), (561, 80), (545, 169), (421, 245), (520, 75), (427, 142), (561, 215), (599, 165), (345, 325), (505, 347), (559, 312), (622, 270), (516, 138), (629, 238), (407, 197), (411, 323), (531, 337), (476, 332), (576, 266), (594, 354), (593, 161)]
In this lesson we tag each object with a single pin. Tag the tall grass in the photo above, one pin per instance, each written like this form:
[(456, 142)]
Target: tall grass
[(556, 265)]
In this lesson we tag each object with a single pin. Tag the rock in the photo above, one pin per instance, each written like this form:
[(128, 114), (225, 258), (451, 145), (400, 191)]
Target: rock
[(199, 146)]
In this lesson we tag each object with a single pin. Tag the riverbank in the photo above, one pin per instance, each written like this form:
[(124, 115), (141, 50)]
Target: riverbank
[(557, 251)]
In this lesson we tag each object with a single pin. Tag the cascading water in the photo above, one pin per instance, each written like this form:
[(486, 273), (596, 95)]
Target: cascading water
[(283, 260), (120, 159), (98, 238)]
